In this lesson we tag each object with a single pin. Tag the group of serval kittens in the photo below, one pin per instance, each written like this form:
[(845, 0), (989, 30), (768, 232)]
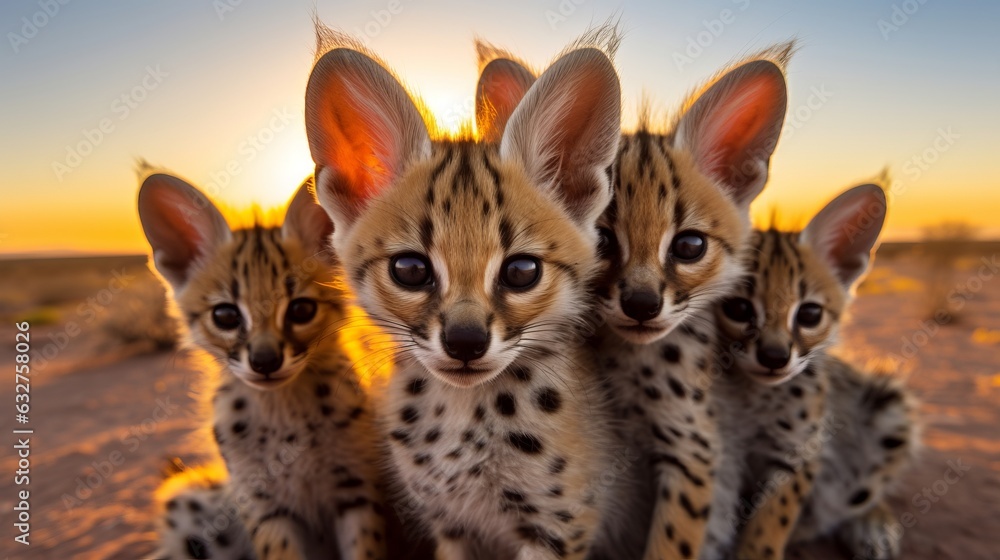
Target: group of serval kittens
[(593, 355)]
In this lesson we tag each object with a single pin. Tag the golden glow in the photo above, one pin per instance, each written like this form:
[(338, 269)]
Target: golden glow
[(369, 350)]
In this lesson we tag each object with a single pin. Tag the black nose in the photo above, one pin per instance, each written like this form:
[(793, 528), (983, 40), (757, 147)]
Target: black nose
[(642, 305), (773, 357), (465, 342), (265, 360)]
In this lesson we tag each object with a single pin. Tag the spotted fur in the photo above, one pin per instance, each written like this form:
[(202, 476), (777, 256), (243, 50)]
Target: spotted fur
[(698, 178), (691, 185), (810, 443), (288, 411), (190, 502), (498, 433)]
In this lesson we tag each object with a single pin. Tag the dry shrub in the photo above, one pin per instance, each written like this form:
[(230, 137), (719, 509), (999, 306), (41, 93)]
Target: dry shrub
[(943, 247), (138, 317)]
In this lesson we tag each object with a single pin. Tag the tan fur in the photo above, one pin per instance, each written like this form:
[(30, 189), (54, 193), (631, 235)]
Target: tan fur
[(279, 425), (812, 443), (696, 179), (496, 444)]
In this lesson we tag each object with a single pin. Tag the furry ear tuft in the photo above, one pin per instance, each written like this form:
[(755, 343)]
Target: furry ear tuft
[(845, 231), (181, 225), (363, 129), (566, 130), (732, 128), (503, 82), (306, 221)]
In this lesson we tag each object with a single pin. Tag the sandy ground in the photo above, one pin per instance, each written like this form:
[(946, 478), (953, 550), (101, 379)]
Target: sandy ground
[(138, 411)]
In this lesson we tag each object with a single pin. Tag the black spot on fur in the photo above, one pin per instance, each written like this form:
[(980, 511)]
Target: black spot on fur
[(558, 465), (548, 399), (513, 495), (534, 533), (891, 442), (322, 390), (352, 482), (401, 436), (196, 548), (526, 443), (416, 386), (860, 497), (673, 461), (505, 404), (520, 372), (677, 388), (671, 353), (409, 415)]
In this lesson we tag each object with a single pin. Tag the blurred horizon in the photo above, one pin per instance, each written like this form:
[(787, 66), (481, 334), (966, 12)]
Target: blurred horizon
[(212, 91)]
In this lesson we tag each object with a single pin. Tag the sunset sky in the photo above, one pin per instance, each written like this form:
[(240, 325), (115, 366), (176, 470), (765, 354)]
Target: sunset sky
[(213, 90)]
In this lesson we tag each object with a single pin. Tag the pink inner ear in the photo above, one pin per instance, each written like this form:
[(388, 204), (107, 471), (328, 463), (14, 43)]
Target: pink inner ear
[(354, 129), (738, 123), (177, 231), (502, 86)]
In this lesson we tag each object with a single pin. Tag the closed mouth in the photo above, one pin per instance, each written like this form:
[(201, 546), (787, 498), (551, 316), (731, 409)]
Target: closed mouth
[(641, 329), (465, 370)]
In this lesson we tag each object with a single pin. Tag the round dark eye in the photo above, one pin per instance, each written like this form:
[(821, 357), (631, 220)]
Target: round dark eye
[(520, 272), (688, 246), (410, 270), (738, 309), (226, 316), (809, 315), (607, 243), (301, 310)]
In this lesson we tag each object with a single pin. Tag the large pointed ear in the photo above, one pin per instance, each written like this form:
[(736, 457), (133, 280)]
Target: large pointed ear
[(306, 221), (363, 129), (566, 130), (502, 85), (181, 224), (845, 231), (731, 129)]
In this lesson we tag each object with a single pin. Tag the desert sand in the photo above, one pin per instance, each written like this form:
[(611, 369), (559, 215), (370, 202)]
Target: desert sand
[(112, 407)]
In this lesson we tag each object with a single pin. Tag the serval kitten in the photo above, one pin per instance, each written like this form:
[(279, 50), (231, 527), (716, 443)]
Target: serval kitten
[(291, 421), (670, 241), (810, 442), (476, 258)]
